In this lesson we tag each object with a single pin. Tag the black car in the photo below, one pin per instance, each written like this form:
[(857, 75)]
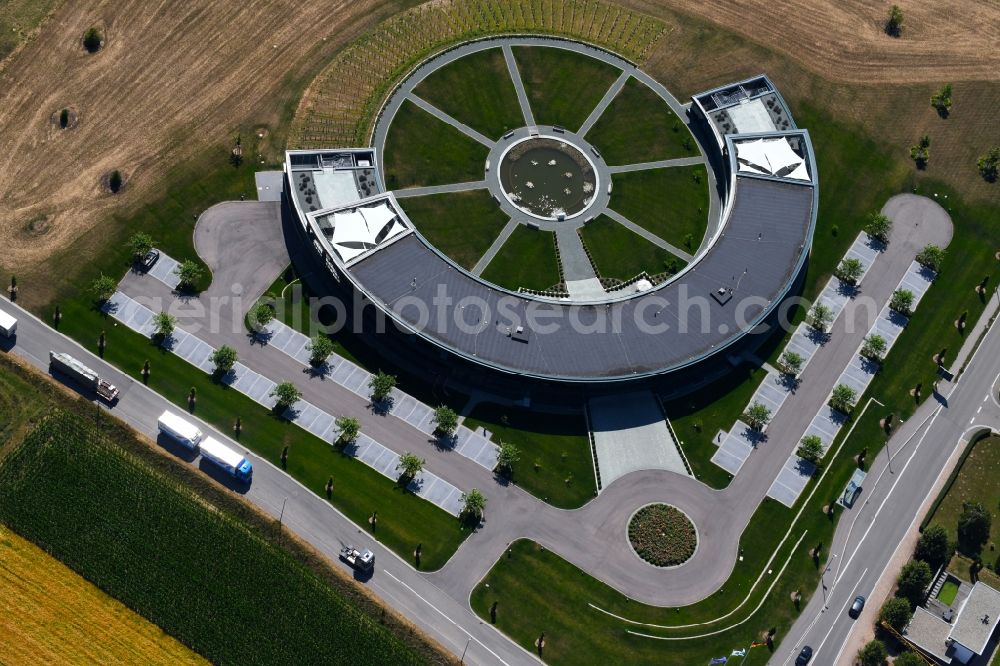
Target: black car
[(857, 607), (804, 656), (149, 259)]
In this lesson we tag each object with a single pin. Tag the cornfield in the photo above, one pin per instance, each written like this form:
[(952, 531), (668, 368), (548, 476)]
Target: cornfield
[(339, 107), (195, 571)]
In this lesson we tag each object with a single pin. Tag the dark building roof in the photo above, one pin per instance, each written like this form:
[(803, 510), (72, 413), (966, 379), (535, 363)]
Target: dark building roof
[(754, 263)]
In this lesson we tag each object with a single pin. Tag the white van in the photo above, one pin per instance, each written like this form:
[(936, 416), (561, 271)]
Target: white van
[(8, 325), (179, 429)]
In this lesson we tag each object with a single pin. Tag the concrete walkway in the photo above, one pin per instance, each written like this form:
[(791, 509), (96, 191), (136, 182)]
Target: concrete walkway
[(485, 260), (605, 102), (515, 77), (661, 164), (575, 262), (648, 235), (440, 189), (444, 117)]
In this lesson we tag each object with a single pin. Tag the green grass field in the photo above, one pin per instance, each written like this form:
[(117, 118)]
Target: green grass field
[(671, 203), (638, 126), (527, 259), (948, 592), (477, 91), (556, 463), (621, 254), (78, 495), (563, 87), (976, 482), (18, 21), (421, 150), (463, 225)]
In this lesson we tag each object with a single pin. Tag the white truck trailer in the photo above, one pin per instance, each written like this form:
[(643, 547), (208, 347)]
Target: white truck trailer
[(231, 461), (8, 325), (76, 370), (179, 429)]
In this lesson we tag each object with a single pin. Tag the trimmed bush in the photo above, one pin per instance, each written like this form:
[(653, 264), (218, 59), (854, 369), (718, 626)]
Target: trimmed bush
[(662, 535)]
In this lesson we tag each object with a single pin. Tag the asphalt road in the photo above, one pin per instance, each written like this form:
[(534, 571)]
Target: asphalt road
[(306, 514), (868, 536)]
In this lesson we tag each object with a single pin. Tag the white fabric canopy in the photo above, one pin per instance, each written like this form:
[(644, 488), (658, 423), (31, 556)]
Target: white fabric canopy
[(360, 230), (771, 157)]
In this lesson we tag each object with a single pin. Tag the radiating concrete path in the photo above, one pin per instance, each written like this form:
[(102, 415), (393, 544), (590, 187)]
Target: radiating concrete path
[(648, 235), (522, 95)]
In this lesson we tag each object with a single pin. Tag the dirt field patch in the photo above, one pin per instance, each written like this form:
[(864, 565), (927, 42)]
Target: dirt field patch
[(49, 614)]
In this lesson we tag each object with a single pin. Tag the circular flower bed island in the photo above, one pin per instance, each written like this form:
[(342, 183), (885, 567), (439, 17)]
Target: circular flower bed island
[(662, 535)]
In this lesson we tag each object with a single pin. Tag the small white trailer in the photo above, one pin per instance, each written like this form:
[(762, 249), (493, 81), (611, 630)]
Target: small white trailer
[(8, 325), (179, 429)]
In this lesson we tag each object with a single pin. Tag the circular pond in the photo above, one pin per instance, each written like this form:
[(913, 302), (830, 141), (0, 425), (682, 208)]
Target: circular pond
[(548, 178), (662, 535)]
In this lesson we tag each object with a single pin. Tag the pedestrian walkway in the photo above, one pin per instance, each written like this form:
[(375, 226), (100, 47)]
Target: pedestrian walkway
[(303, 414)]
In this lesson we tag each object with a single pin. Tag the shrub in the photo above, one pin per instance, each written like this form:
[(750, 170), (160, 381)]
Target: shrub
[(791, 362), (410, 465), (286, 394), (909, 659), (163, 324), (507, 455), (931, 257), (896, 613), (381, 385), (989, 164), (757, 416), (921, 152), (913, 580), (445, 421), (320, 348), (259, 316), (873, 654), (139, 244), (879, 226), (902, 301), (874, 347), (103, 287), (662, 535), (348, 428), (850, 270), (843, 398), (941, 100), (224, 358), (973, 528), (115, 181), (92, 40), (811, 449), (820, 317), (189, 272), (473, 503), (934, 546), (894, 22)]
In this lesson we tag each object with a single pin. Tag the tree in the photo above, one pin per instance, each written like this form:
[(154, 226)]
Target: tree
[(224, 358), (507, 455), (473, 503), (259, 316), (894, 22), (850, 270), (896, 613), (381, 385), (909, 659), (941, 100), (349, 429), (843, 398), (189, 272), (811, 449), (286, 394), (92, 40), (410, 465), (139, 244), (757, 416), (973, 528), (879, 226), (874, 347), (921, 152), (913, 580), (320, 347), (103, 287), (115, 181), (902, 301), (445, 420), (791, 362), (989, 165), (820, 317), (934, 546), (163, 324), (873, 654), (931, 256)]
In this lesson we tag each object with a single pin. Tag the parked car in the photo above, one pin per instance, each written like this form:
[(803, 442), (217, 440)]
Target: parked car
[(857, 606), (804, 656), (149, 259)]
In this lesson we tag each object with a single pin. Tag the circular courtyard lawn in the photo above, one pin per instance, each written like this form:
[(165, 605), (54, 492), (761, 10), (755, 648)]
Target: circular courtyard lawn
[(662, 535)]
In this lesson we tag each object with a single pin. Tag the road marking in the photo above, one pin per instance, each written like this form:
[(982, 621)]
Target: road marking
[(850, 598), (441, 613)]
